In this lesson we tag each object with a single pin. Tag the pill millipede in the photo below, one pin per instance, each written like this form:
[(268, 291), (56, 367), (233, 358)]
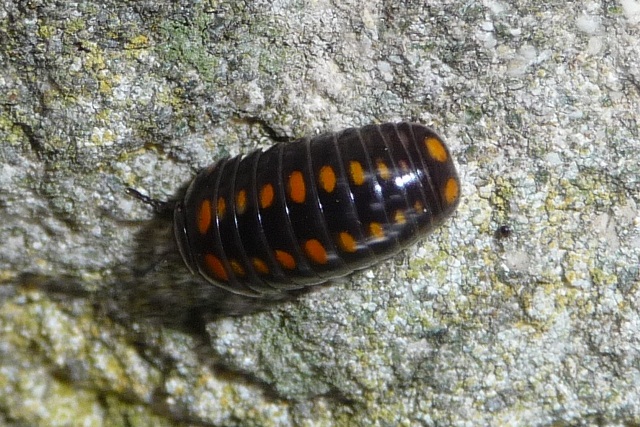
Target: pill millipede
[(304, 212)]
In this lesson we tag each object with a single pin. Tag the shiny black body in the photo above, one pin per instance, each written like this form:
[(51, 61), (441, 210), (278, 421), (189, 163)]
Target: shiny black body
[(303, 212)]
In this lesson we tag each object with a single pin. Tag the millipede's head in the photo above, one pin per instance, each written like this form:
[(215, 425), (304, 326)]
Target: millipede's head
[(182, 238)]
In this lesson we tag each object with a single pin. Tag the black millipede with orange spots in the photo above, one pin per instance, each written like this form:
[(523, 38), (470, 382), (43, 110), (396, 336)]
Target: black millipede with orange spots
[(307, 211)]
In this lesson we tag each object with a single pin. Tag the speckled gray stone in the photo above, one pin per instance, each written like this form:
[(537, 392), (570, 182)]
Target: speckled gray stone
[(100, 323)]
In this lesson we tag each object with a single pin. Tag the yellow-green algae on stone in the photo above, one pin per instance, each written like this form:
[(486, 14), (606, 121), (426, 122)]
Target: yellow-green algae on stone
[(58, 363), (62, 365)]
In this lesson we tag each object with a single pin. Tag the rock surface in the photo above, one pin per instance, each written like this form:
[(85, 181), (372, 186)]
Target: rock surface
[(100, 323)]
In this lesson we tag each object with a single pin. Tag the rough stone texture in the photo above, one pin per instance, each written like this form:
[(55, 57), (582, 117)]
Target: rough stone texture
[(100, 323)]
